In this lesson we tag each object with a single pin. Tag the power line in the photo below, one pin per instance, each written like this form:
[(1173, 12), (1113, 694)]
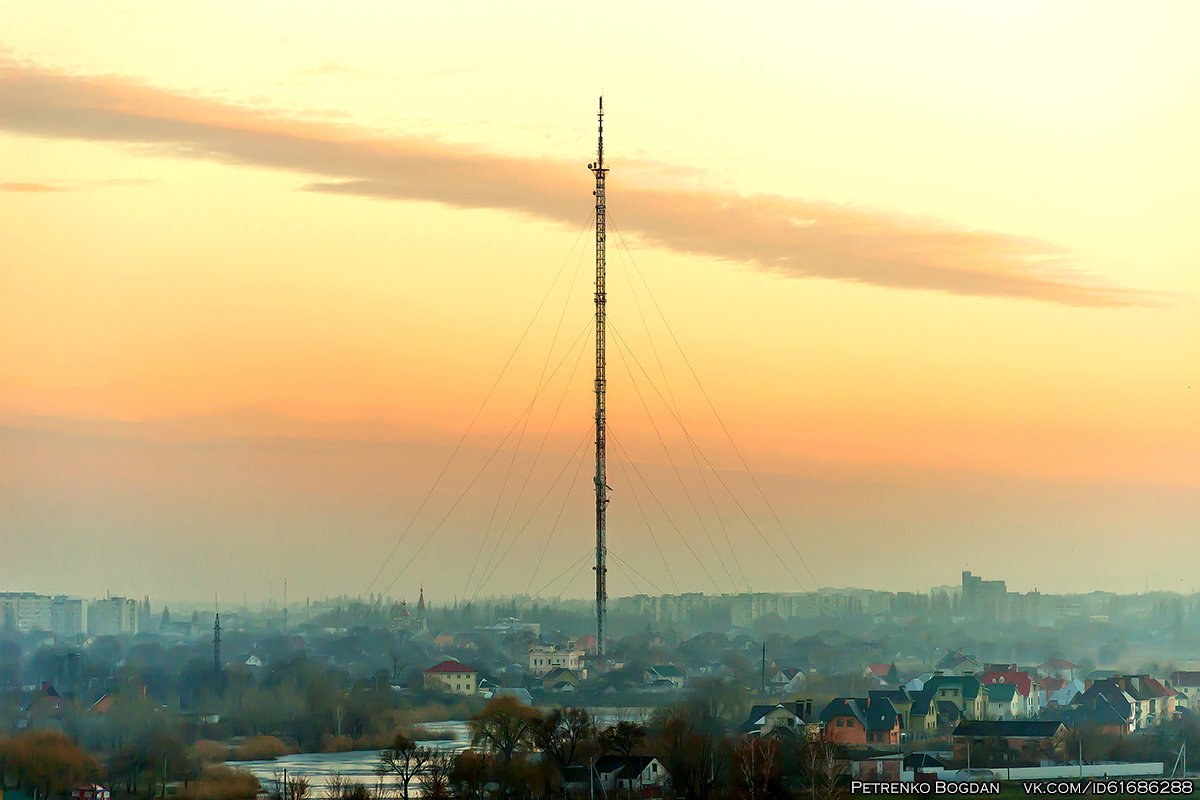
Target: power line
[(653, 536), (480, 472), (621, 350), (674, 404), (537, 455), (729, 491), (713, 408), (474, 419), (493, 567), (661, 508)]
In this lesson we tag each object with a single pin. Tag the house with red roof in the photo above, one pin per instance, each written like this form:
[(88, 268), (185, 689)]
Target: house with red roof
[(451, 677), (881, 674)]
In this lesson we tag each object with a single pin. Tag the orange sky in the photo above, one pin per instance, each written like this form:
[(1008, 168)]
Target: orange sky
[(935, 268)]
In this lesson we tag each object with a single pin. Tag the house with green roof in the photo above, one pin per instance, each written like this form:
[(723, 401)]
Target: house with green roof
[(1003, 701)]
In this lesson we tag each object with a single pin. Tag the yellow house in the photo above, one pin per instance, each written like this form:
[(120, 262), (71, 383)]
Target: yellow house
[(451, 677)]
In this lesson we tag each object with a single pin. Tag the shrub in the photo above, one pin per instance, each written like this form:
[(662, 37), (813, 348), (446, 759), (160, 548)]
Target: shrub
[(219, 782), (261, 748), (207, 751)]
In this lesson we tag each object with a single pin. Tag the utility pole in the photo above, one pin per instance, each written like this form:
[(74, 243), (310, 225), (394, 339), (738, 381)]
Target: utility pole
[(600, 171), (762, 681)]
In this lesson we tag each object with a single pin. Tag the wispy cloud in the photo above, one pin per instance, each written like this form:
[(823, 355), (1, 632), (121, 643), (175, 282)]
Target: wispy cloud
[(71, 187), (31, 187), (780, 235)]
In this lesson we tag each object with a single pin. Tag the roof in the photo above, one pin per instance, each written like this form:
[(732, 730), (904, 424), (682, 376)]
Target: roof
[(1101, 713), (948, 711), (521, 694), (954, 660), (969, 684), (1186, 678), (916, 761), (1001, 693), (759, 713), (1052, 685), (921, 702), (1059, 663), (880, 670), (1009, 728), (878, 715), (1022, 680), (447, 667), (668, 670), (629, 765), (895, 695)]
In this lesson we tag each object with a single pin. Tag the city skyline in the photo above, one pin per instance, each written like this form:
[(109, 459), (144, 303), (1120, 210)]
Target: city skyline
[(940, 287)]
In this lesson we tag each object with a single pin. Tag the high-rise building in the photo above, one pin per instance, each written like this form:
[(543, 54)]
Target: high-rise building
[(113, 616), (68, 616), (24, 612)]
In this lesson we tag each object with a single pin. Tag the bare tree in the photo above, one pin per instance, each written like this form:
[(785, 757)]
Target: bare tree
[(560, 733), (824, 766), (756, 769), (623, 738), (503, 726), (435, 782), (404, 759), (469, 775)]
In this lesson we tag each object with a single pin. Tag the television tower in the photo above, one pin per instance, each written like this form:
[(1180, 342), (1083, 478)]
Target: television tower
[(600, 171), (217, 644)]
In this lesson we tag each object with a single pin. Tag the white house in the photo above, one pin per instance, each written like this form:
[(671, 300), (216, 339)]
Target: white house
[(629, 773)]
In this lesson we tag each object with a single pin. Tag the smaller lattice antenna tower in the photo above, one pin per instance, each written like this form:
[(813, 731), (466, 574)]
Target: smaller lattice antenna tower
[(285, 606), (216, 636)]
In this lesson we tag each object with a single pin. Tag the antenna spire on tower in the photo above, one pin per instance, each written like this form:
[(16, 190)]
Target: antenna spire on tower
[(600, 171)]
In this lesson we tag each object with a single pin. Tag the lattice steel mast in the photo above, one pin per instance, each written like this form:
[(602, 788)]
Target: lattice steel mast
[(598, 169)]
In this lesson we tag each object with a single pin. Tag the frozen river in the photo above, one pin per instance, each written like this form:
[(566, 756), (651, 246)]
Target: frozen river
[(357, 766)]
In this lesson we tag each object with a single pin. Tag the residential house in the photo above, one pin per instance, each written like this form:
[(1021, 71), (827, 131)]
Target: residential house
[(901, 699), (1101, 716), (958, 663), (522, 695), (451, 677), (545, 657), (881, 674), (861, 721), (922, 715), (45, 710), (785, 681), (561, 680), (1108, 694), (1187, 688), (965, 692), (1059, 668), (615, 773), (664, 676), (1026, 688), (1065, 694), (764, 719), (1154, 702), (1003, 701), (1009, 742), (918, 683)]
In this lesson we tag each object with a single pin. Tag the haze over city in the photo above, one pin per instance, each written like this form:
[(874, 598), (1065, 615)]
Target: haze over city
[(933, 266)]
